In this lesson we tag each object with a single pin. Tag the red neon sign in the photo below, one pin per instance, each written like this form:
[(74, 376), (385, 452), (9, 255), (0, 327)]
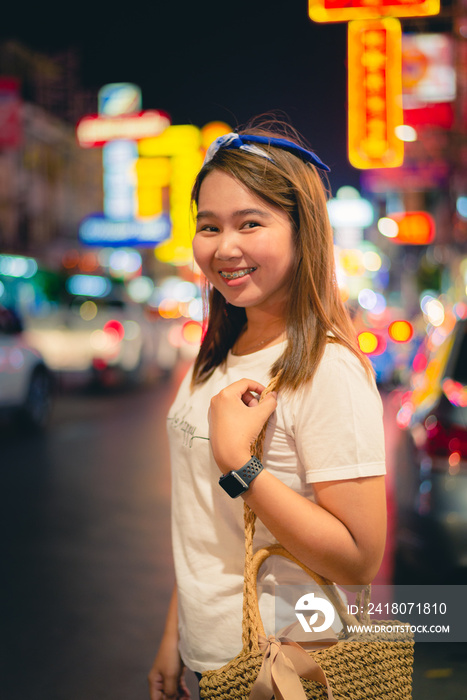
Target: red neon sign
[(347, 10)]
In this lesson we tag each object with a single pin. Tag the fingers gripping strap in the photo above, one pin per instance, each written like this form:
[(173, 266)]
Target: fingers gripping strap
[(256, 447)]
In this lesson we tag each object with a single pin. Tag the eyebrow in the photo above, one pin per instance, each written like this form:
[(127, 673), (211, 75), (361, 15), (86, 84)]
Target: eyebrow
[(240, 212)]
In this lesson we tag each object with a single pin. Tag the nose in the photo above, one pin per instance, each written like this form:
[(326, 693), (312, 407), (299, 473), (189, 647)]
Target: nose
[(228, 246)]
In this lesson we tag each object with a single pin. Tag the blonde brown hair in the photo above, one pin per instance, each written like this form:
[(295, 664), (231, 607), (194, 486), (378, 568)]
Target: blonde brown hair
[(315, 313)]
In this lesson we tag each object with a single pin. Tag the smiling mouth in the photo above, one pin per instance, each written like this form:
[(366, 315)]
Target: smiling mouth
[(237, 273)]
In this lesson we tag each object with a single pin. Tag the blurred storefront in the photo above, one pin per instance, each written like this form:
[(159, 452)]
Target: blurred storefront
[(47, 183)]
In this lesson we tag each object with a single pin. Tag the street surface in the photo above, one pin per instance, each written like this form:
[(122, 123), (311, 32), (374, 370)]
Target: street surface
[(86, 558)]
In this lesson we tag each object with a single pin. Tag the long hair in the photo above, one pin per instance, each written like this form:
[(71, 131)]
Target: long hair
[(315, 313)]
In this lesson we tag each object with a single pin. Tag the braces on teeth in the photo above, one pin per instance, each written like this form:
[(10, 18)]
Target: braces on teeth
[(240, 273)]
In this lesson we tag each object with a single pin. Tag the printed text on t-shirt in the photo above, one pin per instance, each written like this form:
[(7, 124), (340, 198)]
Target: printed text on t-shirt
[(188, 430)]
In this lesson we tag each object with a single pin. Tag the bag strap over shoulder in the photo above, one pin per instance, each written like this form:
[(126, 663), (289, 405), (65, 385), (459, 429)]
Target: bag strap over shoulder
[(252, 625), (251, 620)]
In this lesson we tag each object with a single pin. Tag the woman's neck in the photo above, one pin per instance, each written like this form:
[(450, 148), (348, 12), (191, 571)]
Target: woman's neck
[(261, 330)]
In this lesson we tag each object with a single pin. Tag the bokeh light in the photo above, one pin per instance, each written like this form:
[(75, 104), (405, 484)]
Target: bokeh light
[(169, 308), (192, 332), (88, 285), (372, 260), (17, 266), (371, 343), (380, 305), (460, 310), (124, 263), (455, 392), (404, 132), (368, 342), (434, 310), (400, 331), (367, 299), (349, 210), (132, 330), (388, 227), (88, 310), (140, 288), (461, 206), (114, 328)]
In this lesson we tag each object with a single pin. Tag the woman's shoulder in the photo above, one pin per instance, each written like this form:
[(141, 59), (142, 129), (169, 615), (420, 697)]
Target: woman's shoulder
[(338, 370), (336, 353), (340, 364), (340, 382)]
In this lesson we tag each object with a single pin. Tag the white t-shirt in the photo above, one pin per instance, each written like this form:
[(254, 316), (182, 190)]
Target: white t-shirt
[(329, 430)]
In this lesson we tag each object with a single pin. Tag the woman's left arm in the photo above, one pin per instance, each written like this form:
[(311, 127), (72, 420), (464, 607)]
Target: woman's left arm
[(342, 535)]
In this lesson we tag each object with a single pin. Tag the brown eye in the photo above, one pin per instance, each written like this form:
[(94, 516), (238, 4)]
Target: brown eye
[(207, 228), (252, 224)]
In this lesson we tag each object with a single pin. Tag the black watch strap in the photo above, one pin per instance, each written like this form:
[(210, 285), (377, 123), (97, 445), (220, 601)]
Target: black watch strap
[(238, 481), (249, 470)]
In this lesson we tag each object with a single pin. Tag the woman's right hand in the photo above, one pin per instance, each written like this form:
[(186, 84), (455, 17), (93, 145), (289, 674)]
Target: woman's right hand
[(165, 678)]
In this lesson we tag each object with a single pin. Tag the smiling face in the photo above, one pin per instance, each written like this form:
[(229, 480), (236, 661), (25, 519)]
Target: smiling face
[(243, 245)]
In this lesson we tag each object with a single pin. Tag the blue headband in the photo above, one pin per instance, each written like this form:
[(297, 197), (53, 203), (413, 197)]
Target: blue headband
[(243, 141)]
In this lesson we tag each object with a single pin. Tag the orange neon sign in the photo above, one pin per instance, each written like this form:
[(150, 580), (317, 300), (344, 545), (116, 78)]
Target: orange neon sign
[(375, 103), (414, 227), (375, 93)]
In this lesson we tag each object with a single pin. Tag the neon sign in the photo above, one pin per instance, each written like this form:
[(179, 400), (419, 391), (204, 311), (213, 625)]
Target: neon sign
[(119, 159), (374, 85), (172, 160), (97, 230), (149, 170), (116, 99), (344, 11), (413, 227), (94, 130), (375, 88)]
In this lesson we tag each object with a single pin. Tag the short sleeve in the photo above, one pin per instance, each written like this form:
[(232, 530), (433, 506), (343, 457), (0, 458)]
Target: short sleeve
[(338, 421)]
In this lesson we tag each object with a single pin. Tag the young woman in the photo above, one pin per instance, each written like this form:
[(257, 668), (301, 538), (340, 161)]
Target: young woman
[(264, 243)]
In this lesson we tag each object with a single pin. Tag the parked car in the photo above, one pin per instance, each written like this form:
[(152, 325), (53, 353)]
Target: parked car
[(26, 384), (108, 338), (431, 470)]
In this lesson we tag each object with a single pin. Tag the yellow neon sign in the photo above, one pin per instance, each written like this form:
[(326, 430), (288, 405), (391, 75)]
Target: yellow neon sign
[(182, 145), (153, 176), (167, 166)]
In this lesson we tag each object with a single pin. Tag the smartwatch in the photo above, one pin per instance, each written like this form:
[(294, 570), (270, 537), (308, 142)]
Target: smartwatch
[(238, 481)]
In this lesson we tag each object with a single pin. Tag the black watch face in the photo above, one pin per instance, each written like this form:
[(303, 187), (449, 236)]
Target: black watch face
[(233, 485)]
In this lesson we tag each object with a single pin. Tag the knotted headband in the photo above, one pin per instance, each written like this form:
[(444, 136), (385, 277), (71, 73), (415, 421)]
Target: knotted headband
[(246, 142)]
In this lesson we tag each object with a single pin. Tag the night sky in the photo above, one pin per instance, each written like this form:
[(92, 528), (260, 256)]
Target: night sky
[(204, 61)]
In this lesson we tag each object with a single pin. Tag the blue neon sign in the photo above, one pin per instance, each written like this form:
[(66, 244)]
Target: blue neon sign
[(98, 230)]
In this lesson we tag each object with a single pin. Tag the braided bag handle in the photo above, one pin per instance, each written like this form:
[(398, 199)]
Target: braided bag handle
[(252, 624)]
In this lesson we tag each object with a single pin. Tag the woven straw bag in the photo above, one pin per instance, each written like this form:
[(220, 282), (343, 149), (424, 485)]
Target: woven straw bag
[(364, 666)]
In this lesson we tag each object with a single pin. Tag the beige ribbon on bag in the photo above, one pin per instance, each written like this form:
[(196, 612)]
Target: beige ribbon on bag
[(283, 663)]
